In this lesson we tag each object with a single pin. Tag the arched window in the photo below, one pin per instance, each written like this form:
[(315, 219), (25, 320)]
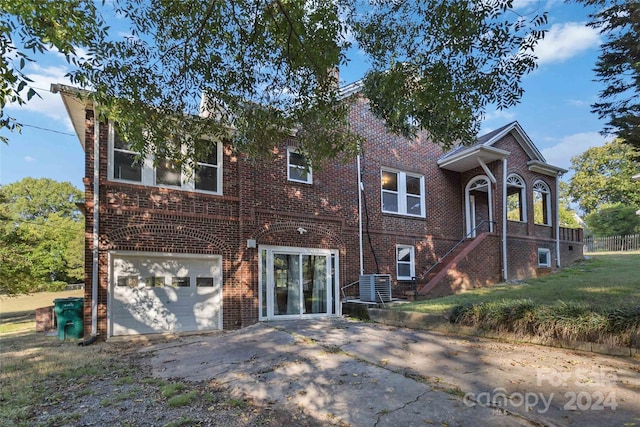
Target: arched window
[(516, 199), (541, 203)]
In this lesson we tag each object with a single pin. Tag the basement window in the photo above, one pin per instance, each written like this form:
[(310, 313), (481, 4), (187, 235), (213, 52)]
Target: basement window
[(405, 259), (544, 257)]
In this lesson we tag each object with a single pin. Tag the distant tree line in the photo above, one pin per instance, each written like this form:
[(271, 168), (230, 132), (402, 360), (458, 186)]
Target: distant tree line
[(41, 236)]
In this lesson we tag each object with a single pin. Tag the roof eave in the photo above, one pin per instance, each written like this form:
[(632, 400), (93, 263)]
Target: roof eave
[(459, 162), (76, 101), (545, 168)]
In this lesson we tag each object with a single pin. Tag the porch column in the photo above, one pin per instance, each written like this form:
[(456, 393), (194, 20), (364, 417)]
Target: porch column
[(504, 220)]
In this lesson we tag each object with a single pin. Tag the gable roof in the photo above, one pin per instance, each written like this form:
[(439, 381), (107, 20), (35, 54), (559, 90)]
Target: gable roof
[(76, 101), (462, 157)]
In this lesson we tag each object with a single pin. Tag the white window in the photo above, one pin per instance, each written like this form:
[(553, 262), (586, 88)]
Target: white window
[(544, 257), (297, 168), (405, 262), (541, 203), (123, 166), (208, 175), (516, 199), (402, 193)]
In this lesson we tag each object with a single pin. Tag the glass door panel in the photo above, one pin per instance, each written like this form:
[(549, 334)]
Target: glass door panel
[(286, 275), (314, 280)]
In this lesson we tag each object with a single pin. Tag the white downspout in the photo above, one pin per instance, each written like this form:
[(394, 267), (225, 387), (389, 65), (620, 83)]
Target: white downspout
[(96, 217), (504, 220), (360, 189), (557, 220)]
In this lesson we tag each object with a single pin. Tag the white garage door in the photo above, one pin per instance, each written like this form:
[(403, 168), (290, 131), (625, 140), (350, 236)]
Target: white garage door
[(153, 293)]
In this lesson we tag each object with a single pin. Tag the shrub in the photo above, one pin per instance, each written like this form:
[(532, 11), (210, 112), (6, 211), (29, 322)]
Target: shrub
[(567, 321)]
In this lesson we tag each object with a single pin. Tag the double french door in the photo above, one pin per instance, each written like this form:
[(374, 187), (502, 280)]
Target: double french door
[(297, 282)]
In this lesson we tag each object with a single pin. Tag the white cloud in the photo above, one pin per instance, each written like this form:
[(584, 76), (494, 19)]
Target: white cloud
[(29, 159), (502, 115), (564, 149), (48, 103), (564, 41), (578, 103)]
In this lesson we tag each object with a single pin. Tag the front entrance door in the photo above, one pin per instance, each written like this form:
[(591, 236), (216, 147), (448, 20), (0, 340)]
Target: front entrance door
[(297, 282), (479, 206)]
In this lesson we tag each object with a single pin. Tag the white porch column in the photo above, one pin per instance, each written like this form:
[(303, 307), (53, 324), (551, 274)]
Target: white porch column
[(504, 220)]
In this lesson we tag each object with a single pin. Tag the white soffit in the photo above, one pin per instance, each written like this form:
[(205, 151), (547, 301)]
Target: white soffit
[(468, 159), (75, 101), (545, 168)]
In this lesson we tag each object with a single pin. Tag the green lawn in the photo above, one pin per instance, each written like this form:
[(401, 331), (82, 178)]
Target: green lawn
[(594, 300), (601, 282), (18, 313)]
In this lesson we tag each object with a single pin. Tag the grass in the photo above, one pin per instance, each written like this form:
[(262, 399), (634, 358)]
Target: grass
[(182, 399), (18, 313), (27, 364), (594, 300)]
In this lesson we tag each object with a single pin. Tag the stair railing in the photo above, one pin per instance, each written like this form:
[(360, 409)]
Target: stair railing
[(471, 233), (344, 296)]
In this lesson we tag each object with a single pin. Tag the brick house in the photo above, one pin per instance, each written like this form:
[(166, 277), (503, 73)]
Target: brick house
[(244, 241)]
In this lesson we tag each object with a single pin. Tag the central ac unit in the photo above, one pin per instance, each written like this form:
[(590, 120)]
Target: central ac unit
[(375, 287)]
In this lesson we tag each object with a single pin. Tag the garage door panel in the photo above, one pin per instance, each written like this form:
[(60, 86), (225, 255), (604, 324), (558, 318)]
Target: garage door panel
[(140, 305)]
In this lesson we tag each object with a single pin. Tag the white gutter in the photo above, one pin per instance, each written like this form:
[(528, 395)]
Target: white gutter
[(360, 189), (96, 217), (558, 220), (504, 220)]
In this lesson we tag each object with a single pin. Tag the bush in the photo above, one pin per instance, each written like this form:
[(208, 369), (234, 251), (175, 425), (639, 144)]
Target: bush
[(566, 321)]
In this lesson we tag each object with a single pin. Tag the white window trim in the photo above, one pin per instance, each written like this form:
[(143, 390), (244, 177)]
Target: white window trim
[(309, 179), (335, 299), (511, 182), (149, 171), (412, 262), (541, 187), (548, 252), (402, 193)]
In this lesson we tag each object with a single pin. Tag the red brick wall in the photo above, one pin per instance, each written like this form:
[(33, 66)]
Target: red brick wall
[(259, 203)]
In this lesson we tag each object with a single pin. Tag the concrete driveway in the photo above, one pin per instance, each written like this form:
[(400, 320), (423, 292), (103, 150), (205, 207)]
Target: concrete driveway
[(343, 372)]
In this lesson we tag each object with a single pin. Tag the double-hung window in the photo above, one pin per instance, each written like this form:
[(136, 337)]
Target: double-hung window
[(125, 165), (297, 168), (207, 176), (405, 262), (169, 171), (402, 193)]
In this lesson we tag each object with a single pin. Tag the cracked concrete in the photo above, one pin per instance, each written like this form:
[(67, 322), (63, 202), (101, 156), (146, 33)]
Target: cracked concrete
[(363, 374)]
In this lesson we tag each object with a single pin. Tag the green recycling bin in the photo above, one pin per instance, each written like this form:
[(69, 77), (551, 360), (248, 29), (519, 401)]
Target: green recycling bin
[(69, 316)]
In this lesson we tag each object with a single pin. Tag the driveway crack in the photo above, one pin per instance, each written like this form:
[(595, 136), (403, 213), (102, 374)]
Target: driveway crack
[(386, 412)]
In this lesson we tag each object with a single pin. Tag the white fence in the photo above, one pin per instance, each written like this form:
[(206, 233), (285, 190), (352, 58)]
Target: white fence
[(612, 244)]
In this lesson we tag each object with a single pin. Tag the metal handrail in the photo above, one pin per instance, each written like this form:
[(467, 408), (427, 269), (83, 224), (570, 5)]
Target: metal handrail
[(381, 299), (344, 296), (455, 246)]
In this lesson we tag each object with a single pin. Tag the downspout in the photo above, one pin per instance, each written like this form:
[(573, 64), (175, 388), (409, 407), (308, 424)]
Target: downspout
[(557, 220), (504, 220), (96, 217), (360, 189)]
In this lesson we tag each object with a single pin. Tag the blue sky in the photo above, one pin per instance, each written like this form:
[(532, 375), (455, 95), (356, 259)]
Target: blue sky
[(554, 111)]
